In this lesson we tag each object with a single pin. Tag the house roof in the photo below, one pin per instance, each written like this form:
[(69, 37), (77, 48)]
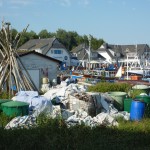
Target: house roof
[(105, 50), (39, 54), (44, 44), (79, 48), (82, 51), (35, 43), (139, 48), (123, 49)]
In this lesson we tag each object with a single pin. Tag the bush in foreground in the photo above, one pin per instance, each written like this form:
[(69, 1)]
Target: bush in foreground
[(55, 135)]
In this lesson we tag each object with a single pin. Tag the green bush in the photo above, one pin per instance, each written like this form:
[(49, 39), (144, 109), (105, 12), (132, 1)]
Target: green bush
[(56, 136), (4, 120), (110, 87), (5, 95), (134, 93)]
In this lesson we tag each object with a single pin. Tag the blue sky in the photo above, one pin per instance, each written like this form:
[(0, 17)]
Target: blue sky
[(116, 21)]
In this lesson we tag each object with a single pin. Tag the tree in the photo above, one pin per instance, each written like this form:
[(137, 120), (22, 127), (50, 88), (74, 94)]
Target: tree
[(96, 43), (70, 39), (33, 35), (63, 37), (13, 33), (44, 34)]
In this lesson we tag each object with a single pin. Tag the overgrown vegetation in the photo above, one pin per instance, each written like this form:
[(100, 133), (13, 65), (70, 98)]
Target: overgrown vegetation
[(5, 95), (110, 87), (134, 93), (4, 120), (53, 134)]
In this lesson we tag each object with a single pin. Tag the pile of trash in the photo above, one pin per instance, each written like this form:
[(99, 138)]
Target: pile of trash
[(73, 103)]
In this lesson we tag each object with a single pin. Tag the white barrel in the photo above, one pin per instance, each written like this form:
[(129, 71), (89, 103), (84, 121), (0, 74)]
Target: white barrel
[(45, 80)]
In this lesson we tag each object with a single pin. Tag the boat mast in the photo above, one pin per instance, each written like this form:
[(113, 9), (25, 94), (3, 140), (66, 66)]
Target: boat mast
[(89, 38)]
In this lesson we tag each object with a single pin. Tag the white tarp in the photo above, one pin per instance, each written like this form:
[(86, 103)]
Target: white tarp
[(36, 102), (107, 116)]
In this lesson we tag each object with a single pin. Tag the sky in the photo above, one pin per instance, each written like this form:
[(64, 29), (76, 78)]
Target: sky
[(115, 21)]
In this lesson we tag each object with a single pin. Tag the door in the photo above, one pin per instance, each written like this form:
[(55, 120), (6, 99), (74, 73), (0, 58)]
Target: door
[(35, 76)]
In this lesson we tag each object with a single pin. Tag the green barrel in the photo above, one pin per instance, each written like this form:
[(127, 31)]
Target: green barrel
[(127, 104), (118, 99), (146, 99), (15, 108), (144, 88), (3, 101)]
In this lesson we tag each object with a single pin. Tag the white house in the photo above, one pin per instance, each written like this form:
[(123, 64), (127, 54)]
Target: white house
[(113, 53), (39, 66), (106, 53), (49, 47)]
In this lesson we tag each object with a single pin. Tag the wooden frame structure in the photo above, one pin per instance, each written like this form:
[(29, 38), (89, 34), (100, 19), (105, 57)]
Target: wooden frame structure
[(12, 77)]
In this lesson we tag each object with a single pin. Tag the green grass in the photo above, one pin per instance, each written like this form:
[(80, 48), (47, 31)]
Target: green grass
[(4, 119)]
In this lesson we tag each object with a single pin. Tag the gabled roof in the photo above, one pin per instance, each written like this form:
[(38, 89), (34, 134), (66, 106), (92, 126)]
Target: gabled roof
[(44, 44), (36, 43), (39, 54), (105, 50), (123, 49), (139, 48), (82, 51), (79, 48)]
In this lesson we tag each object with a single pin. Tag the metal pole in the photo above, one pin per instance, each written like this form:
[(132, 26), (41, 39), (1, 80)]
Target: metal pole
[(89, 37), (127, 68)]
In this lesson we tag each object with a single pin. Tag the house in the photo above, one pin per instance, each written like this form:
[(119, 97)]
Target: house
[(39, 66), (81, 53), (134, 54), (50, 47)]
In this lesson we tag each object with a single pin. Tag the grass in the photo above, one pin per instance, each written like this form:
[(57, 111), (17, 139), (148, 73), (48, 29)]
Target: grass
[(4, 120)]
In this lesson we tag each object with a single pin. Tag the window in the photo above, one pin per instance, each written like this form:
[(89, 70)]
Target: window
[(51, 51), (57, 52)]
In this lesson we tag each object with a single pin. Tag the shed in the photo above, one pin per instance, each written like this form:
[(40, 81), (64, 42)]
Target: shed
[(39, 66)]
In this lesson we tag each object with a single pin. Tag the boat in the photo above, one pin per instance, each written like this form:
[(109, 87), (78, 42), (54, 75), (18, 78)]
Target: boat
[(94, 77), (134, 70)]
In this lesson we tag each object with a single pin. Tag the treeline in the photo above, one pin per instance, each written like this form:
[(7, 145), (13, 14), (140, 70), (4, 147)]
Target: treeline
[(70, 39)]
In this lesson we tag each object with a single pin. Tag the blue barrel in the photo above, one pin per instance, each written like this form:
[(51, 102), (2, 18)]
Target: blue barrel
[(137, 110)]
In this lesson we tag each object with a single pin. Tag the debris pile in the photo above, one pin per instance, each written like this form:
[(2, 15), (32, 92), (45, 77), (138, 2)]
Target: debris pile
[(74, 104)]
